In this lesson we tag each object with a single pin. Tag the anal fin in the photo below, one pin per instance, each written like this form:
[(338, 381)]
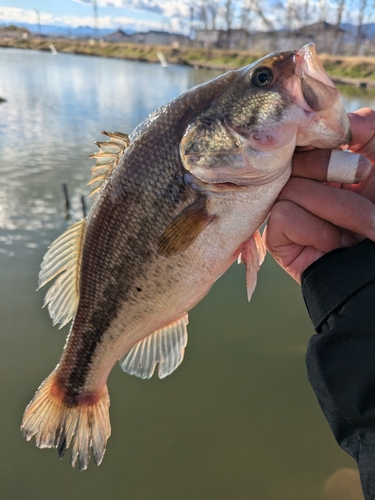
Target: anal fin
[(165, 346), (252, 255)]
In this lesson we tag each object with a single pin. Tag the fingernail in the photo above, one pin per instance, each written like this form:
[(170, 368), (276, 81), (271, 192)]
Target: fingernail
[(363, 169)]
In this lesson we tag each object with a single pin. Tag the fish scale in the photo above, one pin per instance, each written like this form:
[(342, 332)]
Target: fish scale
[(177, 202)]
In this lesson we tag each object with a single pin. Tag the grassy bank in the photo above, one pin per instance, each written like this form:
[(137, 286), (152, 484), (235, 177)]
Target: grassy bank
[(347, 69), (218, 59)]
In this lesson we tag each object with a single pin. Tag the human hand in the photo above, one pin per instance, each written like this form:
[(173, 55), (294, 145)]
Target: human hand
[(311, 217)]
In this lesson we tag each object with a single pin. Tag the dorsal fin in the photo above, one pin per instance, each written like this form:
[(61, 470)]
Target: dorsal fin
[(108, 157), (165, 346), (63, 258)]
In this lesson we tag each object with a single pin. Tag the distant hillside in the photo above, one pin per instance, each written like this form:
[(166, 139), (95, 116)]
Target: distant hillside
[(368, 30), (67, 31)]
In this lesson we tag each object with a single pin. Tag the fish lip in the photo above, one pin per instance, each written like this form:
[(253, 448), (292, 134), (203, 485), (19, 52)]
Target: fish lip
[(308, 63), (315, 93)]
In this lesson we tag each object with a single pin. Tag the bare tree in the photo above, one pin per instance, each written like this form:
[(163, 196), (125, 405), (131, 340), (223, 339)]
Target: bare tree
[(260, 12), (305, 11), (213, 9), (207, 12), (201, 9), (362, 14), (339, 12), (191, 22), (322, 10), (294, 14), (337, 34), (245, 16), (228, 14)]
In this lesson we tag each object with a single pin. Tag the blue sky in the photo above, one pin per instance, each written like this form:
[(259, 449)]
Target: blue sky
[(171, 15), (137, 14)]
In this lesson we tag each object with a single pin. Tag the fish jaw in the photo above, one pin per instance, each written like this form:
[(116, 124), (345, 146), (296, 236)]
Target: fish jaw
[(327, 123)]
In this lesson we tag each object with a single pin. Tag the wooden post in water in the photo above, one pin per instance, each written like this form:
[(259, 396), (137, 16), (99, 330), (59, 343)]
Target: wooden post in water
[(67, 200), (83, 203)]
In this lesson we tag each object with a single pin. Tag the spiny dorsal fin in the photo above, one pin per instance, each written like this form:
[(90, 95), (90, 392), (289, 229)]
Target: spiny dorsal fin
[(63, 258), (165, 346), (108, 157)]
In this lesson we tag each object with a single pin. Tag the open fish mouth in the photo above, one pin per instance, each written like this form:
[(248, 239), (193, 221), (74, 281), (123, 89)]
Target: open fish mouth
[(317, 88), (316, 93)]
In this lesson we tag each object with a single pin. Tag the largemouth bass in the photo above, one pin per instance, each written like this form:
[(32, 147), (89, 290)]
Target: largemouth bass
[(178, 202)]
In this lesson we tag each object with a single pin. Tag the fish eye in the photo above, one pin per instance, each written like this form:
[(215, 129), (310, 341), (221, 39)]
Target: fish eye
[(262, 76)]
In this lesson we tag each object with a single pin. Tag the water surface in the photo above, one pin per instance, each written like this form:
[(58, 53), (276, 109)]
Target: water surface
[(238, 419)]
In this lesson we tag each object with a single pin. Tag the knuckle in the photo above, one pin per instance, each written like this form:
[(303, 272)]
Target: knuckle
[(280, 216), (292, 186)]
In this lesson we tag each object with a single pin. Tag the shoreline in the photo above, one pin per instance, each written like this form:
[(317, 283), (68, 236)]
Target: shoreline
[(347, 70)]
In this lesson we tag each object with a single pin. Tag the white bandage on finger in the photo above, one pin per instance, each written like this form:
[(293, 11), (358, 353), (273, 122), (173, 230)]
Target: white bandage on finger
[(342, 167)]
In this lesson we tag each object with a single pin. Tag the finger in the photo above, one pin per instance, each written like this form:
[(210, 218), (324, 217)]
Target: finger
[(333, 166), (347, 168), (362, 123), (293, 258), (296, 238), (366, 188), (340, 207), (290, 223), (311, 164)]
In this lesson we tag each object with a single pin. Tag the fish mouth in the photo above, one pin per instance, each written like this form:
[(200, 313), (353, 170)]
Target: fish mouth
[(318, 89), (317, 95)]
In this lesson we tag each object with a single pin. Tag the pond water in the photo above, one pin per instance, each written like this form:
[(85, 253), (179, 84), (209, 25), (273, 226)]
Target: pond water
[(238, 419)]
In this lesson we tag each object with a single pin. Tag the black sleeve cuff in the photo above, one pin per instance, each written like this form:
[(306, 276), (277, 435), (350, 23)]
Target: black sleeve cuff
[(330, 281)]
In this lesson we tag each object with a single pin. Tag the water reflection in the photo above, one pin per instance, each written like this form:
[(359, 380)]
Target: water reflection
[(237, 420), (356, 98), (56, 108)]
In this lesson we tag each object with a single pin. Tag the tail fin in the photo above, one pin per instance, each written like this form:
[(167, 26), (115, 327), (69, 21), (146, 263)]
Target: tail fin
[(56, 424)]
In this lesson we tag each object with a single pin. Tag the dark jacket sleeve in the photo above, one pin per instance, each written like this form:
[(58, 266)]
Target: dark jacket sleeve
[(339, 291)]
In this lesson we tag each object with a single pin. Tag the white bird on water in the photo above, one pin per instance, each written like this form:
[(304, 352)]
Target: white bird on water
[(162, 60), (53, 50)]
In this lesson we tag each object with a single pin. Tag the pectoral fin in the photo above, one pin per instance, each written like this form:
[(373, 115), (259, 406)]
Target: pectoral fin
[(165, 346), (252, 255), (185, 228)]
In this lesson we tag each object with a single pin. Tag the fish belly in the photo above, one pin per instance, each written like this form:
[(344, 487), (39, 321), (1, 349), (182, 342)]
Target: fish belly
[(175, 285)]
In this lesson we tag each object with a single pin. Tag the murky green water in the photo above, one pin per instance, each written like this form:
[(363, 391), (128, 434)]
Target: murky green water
[(237, 420)]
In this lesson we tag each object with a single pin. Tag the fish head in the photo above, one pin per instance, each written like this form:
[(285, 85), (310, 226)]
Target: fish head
[(248, 134)]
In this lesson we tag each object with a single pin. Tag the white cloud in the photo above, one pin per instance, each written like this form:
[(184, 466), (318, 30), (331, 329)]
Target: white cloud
[(167, 8), (15, 14)]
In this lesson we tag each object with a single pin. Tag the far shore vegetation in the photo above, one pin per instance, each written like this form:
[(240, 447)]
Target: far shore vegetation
[(353, 70)]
